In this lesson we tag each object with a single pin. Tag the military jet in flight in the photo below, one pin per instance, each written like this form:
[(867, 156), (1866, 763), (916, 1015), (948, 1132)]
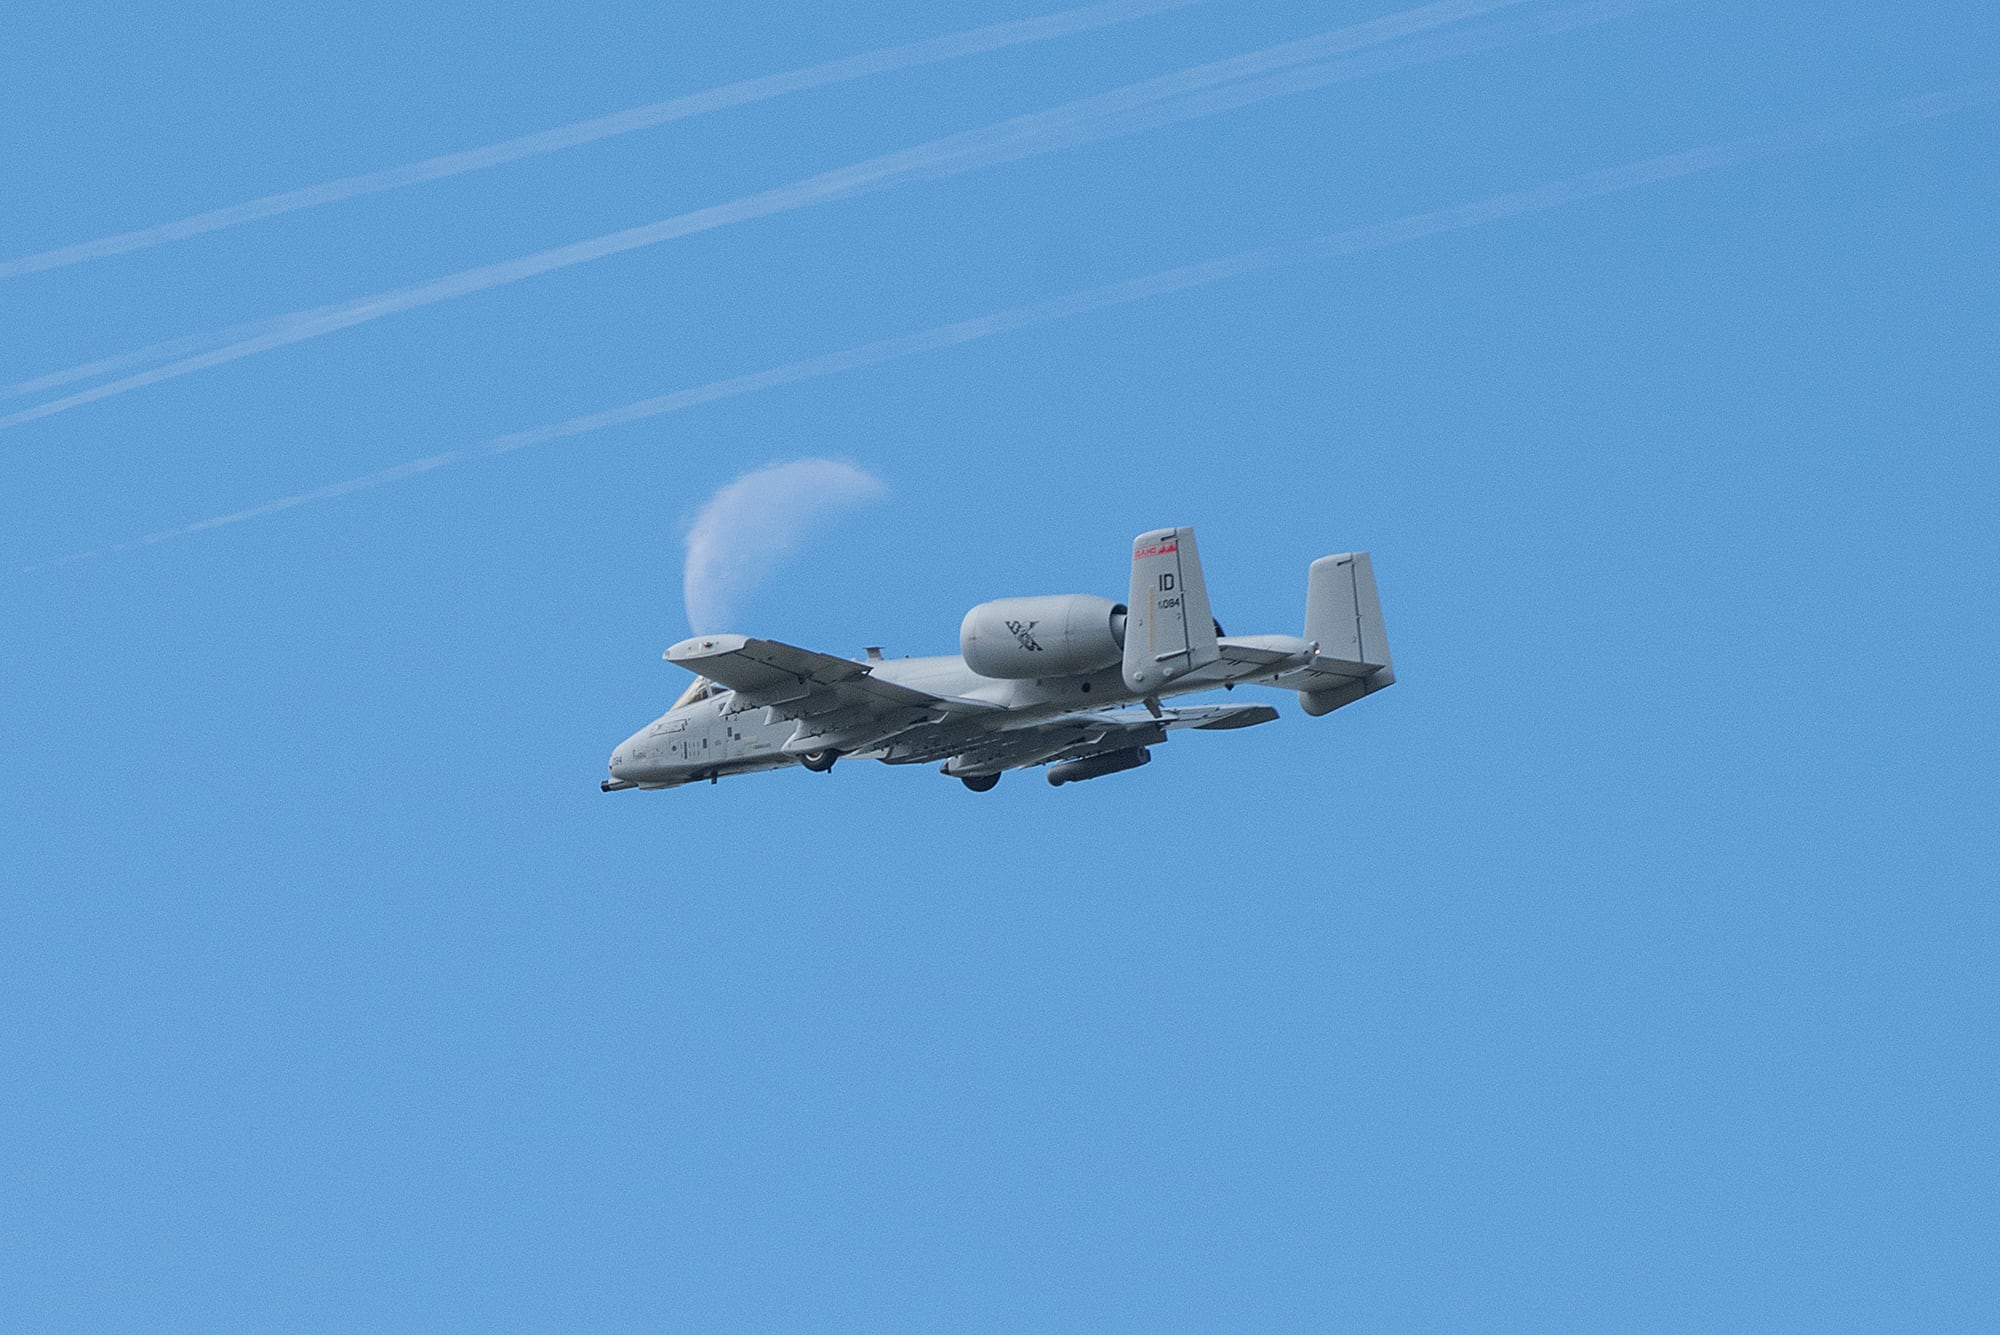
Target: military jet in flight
[(1071, 681)]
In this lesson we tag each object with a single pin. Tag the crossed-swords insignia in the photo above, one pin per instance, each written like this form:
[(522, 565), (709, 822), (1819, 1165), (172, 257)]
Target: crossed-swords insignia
[(1022, 632)]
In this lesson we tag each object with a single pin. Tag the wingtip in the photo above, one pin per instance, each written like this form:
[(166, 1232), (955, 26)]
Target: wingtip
[(703, 646)]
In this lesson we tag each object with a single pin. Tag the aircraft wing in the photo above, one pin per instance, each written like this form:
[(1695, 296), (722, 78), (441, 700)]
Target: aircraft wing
[(1088, 732), (840, 704), (1209, 718), (769, 668)]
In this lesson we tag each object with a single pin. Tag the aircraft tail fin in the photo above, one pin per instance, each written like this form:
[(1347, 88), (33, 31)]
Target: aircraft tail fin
[(1344, 619), (1169, 631)]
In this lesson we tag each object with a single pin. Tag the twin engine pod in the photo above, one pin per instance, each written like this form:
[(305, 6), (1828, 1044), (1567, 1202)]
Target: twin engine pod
[(1059, 635)]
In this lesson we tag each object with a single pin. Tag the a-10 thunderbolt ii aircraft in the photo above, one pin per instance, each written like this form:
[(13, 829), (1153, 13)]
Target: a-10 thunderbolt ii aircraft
[(1072, 681)]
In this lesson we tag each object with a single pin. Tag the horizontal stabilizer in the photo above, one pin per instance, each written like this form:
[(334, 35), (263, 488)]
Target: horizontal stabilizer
[(1245, 716)]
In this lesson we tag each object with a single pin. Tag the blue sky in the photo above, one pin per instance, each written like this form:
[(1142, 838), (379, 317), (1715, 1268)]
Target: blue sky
[(1627, 966)]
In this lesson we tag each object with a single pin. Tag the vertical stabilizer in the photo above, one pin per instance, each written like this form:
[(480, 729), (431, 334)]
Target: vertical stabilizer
[(1344, 620), (1169, 631)]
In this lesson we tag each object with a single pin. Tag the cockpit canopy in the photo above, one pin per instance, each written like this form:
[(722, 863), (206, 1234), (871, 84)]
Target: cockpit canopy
[(700, 689)]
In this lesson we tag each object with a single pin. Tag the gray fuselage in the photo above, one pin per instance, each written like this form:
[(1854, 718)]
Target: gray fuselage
[(713, 736)]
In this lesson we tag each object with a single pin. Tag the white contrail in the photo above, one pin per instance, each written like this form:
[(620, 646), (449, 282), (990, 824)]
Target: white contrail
[(1495, 208), (1200, 91), (752, 524), (158, 352), (931, 51)]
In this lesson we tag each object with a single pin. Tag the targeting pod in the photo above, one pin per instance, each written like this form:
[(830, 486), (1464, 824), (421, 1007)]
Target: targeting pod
[(1096, 767)]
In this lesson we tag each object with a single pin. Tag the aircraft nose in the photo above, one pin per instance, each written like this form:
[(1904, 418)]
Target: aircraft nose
[(627, 760)]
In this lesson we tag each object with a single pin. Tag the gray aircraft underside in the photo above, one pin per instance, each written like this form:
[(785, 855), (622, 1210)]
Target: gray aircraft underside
[(1072, 681)]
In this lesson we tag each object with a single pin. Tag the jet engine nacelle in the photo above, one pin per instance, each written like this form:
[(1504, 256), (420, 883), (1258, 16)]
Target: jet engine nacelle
[(1061, 635)]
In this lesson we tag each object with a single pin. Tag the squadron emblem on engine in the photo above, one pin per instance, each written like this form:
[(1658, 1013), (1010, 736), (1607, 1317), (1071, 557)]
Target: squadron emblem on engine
[(1023, 631)]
